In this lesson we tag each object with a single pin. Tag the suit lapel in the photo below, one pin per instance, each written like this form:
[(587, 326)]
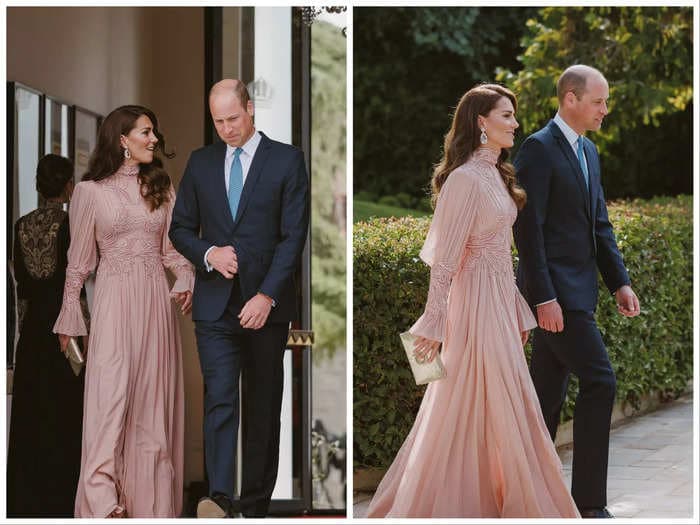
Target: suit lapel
[(218, 168), (253, 176), (573, 161)]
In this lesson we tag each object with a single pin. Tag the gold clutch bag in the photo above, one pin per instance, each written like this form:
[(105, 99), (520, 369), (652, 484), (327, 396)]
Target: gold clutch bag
[(422, 372), (74, 356)]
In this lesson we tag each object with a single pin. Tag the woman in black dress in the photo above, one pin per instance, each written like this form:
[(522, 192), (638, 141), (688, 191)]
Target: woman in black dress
[(43, 462)]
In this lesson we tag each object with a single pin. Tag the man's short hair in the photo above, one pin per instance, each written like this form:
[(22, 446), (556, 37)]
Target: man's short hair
[(574, 79), (239, 89)]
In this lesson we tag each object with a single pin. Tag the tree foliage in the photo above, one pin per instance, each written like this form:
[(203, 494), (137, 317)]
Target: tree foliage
[(411, 66), (328, 91), (646, 55)]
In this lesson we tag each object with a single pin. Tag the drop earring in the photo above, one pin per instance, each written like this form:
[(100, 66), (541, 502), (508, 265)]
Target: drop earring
[(484, 137), (127, 154)]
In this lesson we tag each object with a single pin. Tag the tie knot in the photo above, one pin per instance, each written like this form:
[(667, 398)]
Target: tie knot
[(237, 153), (579, 141)]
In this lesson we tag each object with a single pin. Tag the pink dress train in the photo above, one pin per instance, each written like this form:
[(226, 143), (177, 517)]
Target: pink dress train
[(479, 446), (133, 419)]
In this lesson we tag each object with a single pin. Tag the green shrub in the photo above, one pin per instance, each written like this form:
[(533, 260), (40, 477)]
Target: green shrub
[(406, 200), (364, 195), (363, 211), (650, 353), (425, 204), (390, 200)]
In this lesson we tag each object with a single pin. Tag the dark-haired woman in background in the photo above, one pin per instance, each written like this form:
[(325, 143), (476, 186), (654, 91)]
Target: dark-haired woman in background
[(43, 459), (479, 447), (133, 424)]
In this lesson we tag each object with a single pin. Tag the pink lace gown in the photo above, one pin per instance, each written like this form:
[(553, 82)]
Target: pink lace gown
[(479, 446), (133, 419)]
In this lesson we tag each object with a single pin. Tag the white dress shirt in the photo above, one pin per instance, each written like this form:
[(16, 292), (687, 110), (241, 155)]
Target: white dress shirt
[(246, 158), (570, 134)]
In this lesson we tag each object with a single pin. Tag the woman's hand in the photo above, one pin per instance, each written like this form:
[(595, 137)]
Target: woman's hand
[(523, 336), (425, 350), (184, 299), (63, 341)]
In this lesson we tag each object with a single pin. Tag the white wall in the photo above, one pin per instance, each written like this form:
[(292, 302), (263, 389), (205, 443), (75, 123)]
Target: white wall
[(273, 72)]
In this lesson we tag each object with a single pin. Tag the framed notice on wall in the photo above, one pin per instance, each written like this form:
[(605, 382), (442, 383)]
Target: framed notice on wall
[(24, 150), (57, 127), (86, 125)]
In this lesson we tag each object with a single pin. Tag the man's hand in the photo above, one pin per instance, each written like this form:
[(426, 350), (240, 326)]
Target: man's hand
[(184, 300), (254, 313), (425, 350), (550, 317), (627, 302), (224, 260)]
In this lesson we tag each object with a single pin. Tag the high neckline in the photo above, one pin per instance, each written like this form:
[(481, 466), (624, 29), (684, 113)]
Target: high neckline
[(128, 169), (52, 204), (486, 154)]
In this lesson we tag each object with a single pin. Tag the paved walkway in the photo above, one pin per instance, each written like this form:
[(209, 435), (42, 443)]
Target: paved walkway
[(650, 473)]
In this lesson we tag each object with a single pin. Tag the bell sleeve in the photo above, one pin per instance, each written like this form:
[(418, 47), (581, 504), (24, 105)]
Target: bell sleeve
[(172, 259), (82, 259), (447, 237), (526, 319)]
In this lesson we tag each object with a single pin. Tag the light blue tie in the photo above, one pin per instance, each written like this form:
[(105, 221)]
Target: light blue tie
[(235, 182), (582, 159)]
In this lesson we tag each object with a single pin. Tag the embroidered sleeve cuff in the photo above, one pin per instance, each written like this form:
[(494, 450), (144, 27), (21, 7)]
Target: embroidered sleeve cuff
[(185, 280), (70, 321), (431, 325)]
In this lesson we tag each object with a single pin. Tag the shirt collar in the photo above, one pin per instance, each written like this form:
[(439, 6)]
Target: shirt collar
[(569, 133), (248, 148)]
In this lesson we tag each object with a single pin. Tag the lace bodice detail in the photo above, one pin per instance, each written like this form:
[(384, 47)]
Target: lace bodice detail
[(470, 232), (130, 235), (488, 245), (117, 233), (38, 233)]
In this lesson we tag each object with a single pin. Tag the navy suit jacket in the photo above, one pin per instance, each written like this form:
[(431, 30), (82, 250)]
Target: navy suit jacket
[(563, 233), (268, 233)]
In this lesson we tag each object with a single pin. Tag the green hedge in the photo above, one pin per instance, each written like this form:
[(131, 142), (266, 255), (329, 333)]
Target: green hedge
[(650, 353)]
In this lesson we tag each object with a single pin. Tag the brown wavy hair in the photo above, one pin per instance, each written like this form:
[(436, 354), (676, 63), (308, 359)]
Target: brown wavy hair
[(108, 155), (463, 139)]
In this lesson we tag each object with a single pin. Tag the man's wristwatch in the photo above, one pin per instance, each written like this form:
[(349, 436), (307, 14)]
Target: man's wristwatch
[(270, 298)]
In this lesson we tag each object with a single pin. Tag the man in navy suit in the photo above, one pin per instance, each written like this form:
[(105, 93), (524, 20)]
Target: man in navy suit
[(564, 238), (241, 217)]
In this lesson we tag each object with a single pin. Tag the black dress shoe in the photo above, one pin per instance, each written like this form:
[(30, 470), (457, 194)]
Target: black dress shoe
[(601, 512)]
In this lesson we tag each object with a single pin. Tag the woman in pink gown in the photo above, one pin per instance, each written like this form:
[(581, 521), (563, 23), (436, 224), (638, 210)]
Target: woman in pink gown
[(133, 419), (479, 446)]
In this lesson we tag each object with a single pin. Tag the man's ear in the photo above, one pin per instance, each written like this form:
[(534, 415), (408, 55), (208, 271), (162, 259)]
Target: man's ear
[(570, 98), (250, 108)]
